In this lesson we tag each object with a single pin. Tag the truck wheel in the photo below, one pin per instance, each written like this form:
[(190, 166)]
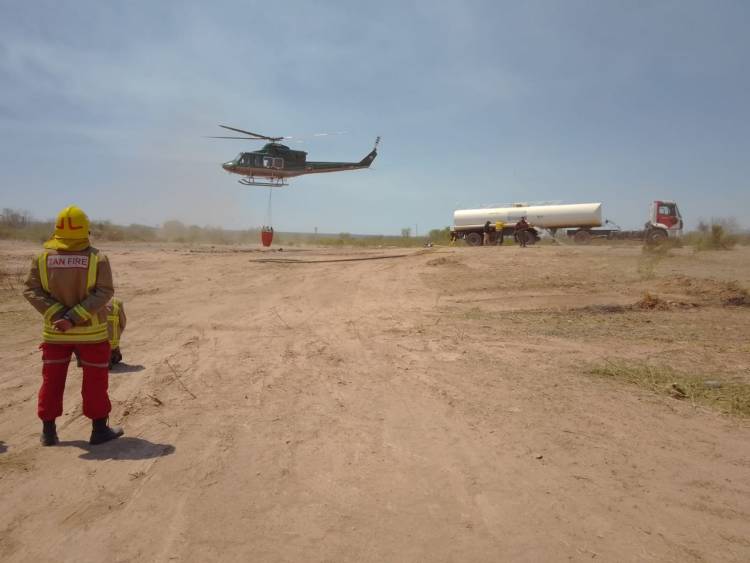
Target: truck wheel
[(474, 239), (656, 236), (531, 237), (582, 237)]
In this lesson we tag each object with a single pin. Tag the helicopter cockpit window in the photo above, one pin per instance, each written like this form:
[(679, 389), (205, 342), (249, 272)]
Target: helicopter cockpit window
[(237, 158), (267, 162)]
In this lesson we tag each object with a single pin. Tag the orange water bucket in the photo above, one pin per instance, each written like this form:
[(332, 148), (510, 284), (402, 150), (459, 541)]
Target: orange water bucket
[(266, 237)]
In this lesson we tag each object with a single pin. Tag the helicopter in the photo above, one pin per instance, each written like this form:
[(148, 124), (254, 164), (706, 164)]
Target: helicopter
[(274, 163)]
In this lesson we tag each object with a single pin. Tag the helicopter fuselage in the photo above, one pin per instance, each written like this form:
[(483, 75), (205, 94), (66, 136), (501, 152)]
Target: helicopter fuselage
[(277, 161)]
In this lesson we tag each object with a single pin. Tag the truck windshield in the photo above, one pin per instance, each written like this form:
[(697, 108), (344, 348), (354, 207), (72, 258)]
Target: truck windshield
[(668, 209)]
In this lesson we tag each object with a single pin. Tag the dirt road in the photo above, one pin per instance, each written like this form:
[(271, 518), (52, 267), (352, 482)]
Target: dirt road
[(432, 407)]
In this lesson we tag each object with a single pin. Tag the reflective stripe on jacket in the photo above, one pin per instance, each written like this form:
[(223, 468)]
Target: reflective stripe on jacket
[(78, 284)]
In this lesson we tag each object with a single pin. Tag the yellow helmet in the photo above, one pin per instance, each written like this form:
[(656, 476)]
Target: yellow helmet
[(71, 230)]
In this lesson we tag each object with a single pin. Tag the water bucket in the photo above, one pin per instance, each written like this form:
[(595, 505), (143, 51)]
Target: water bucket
[(266, 237)]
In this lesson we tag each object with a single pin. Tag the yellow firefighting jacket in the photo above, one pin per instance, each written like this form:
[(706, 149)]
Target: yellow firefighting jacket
[(116, 321), (76, 284)]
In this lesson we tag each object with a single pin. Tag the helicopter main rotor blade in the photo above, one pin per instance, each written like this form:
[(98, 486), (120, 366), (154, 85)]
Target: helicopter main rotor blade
[(257, 135), (241, 138), (308, 136)]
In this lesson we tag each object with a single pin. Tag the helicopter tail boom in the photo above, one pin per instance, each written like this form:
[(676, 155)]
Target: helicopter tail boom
[(366, 161), (318, 167)]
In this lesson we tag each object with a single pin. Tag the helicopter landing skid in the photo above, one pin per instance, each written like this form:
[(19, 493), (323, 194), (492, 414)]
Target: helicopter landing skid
[(273, 183)]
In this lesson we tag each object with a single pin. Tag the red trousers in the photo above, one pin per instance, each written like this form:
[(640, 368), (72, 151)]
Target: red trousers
[(95, 364)]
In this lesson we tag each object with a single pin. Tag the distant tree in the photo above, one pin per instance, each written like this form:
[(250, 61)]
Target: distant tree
[(194, 234), (15, 218), (729, 224), (173, 230), (440, 235), (406, 232)]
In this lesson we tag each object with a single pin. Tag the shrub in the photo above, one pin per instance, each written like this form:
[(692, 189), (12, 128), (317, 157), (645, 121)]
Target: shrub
[(720, 234)]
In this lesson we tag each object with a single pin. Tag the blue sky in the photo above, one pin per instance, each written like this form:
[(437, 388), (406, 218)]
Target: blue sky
[(105, 104)]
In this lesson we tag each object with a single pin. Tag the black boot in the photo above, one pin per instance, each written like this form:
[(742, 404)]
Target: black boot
[(49, 433), (115, 357), (101, 431)]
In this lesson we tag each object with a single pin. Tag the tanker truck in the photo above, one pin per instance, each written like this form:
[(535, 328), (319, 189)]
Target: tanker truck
[(581, 221)]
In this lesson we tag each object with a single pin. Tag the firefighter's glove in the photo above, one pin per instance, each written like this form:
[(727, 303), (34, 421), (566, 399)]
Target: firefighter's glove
[(63, 324)]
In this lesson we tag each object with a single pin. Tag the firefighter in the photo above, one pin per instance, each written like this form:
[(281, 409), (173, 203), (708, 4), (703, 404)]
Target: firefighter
[(522, 231), (69, 284), (486, 232), (500, 229), (116, 321)]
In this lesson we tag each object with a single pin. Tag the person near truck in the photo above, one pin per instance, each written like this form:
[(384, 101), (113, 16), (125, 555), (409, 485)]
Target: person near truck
[(522, 231), (486, 234), (499, 228), (70, 283), (116, 321)]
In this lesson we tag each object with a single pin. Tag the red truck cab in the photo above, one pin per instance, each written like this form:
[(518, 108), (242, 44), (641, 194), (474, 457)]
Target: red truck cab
[(664, 222), (665, 214)]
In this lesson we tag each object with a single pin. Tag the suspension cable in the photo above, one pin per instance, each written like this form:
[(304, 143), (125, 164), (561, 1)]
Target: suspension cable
[(269, 217)]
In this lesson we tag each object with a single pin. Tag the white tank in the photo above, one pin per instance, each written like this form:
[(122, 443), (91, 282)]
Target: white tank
[(544, 216)]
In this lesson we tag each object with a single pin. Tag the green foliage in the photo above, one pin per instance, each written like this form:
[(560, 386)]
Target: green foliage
[(440, 236)]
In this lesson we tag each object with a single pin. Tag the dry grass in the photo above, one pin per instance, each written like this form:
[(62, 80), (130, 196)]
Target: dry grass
[(651, 257), (12, 277), (713, 237), (730, 397), (349, 240), (709, 291), (734, 295), (651, 302)]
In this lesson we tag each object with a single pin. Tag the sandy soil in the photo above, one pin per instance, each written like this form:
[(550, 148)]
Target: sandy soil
[(436, 406)]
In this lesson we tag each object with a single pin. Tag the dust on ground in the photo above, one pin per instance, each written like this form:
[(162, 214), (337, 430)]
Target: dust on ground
[(437, 406)]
